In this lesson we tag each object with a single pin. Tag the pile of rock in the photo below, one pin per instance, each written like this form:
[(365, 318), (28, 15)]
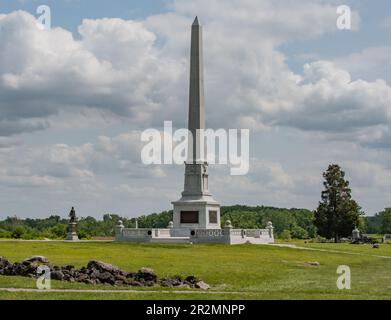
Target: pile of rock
[(27, 267), (97, 272)]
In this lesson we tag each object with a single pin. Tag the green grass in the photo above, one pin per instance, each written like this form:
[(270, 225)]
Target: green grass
[(254, 272), (367, 249)]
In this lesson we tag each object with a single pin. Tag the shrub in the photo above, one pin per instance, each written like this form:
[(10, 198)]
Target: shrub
[(5, 234), (285, 235), (319, 239), (83, 235), (18, 232), (298, 232)]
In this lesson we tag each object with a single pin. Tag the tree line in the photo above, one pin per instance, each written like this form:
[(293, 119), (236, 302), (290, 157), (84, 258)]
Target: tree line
[(288, 223), (336, 216)]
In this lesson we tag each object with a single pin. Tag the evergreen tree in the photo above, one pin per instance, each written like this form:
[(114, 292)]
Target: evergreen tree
[(337, 213)]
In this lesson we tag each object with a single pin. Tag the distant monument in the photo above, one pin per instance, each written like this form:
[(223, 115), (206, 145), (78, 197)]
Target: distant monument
[(196, 209), (356, 236), (72, 225)]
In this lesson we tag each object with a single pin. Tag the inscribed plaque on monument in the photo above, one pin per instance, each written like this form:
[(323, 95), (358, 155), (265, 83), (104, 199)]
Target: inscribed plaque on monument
[(212, 216), (189, 216)]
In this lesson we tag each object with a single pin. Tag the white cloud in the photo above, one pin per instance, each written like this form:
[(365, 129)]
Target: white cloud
[(45, 71), (138, 71), (330, 101), (371, 63), (119, 68), (56, 163)]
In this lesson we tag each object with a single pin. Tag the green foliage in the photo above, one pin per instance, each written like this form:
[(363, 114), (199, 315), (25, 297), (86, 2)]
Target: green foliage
[(299, 222), (5, 234), (83, 235), (380, 223), (337, 213), (18, 232), (372, 224), (385, 221), (155, 220), (298, 232), (59, 231), (285, 235)]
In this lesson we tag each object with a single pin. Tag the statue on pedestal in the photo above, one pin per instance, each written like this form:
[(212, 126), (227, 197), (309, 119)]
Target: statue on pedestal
[(72, 235)]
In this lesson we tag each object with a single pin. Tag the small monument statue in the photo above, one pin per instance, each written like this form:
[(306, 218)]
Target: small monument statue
[(72, 235), (356, 236)]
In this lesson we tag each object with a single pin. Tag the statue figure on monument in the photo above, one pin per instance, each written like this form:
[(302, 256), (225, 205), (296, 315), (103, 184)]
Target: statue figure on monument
[(72, 215)]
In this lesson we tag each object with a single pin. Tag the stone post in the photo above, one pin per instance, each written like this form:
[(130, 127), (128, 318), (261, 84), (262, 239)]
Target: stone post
[(171, 227), (227, 231)]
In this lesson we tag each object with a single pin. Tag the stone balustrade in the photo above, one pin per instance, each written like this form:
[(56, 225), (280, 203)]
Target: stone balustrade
[(162, 233), (208, 233), (226, 235), (136, 232)]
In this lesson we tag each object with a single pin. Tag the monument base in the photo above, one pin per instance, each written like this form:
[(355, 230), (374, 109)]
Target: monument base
[(199, 213), (72, 235)]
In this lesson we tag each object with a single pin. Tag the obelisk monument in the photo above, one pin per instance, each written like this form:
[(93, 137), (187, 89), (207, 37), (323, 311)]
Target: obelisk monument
[(196, 209)]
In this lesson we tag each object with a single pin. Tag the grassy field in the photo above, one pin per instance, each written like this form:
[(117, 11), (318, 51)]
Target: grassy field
[(234, 272)]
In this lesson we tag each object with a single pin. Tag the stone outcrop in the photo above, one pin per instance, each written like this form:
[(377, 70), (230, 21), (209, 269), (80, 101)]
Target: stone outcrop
[(97, 272)]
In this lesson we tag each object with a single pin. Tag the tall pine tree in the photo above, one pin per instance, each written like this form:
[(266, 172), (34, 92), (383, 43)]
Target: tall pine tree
[(337, 213)]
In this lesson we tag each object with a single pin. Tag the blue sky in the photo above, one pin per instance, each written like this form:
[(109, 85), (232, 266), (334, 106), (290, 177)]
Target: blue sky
[(75, 99)]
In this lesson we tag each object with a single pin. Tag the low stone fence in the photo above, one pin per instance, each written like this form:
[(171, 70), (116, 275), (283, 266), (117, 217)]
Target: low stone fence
[(228, 235), (133, 235), (141, 235)]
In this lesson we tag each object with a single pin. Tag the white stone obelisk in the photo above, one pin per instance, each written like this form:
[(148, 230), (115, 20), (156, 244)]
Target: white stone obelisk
[(196, 209)]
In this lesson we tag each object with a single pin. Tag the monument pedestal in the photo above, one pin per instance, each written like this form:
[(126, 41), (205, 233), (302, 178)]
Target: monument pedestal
[(195, 213), (72, 235)]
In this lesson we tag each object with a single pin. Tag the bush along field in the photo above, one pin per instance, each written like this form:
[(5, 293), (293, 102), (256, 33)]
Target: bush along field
[(295, 270)]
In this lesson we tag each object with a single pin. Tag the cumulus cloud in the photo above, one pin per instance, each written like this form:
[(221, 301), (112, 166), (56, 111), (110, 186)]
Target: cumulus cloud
[(117, 155), (331, 101), (371, 63), (119, 68), (113, 68)]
